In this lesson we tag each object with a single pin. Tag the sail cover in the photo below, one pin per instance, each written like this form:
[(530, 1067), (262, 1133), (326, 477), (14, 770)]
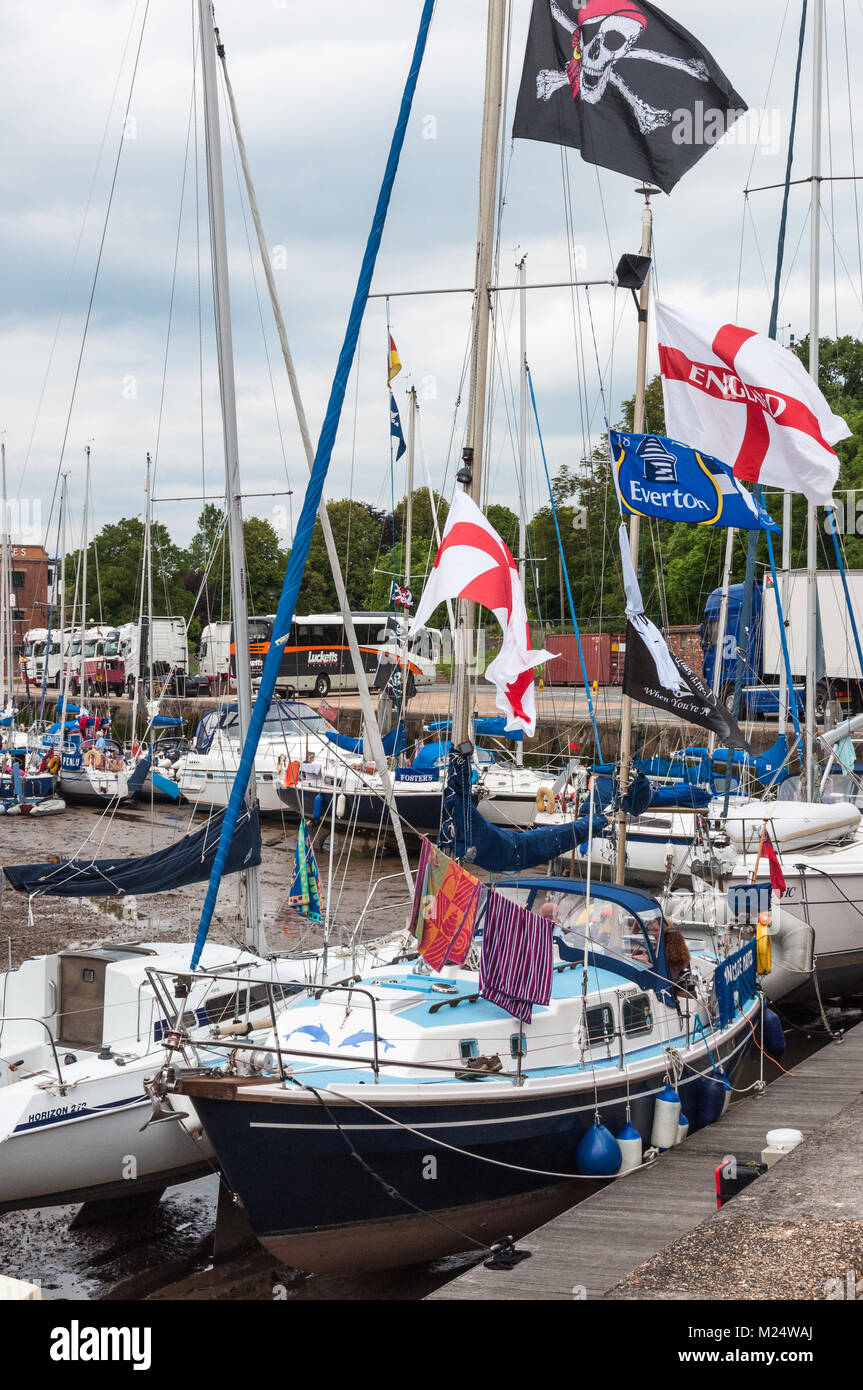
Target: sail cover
[(468, 836), (187, 861)]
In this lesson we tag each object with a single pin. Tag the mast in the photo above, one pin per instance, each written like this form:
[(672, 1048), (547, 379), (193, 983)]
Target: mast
[(522, 444), (635, 521), (255, 938), (7, 675), (84, 547), (409, 503), (814, 329), (63, 505), (148, 561), (470, 475), (372, 732), (719, 645)]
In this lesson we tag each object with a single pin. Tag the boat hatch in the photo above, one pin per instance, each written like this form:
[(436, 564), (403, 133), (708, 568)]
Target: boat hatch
[(82, 997)]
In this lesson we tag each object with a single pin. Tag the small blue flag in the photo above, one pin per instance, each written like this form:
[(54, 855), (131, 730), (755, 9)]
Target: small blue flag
[(305, 894), (659, 477), (396, 427)]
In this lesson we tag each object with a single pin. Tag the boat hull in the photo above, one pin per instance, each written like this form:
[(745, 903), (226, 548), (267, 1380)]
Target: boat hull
[(274, 1151)]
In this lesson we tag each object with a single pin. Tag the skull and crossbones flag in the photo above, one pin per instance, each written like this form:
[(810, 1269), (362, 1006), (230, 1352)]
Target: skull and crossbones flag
[(626, 85)]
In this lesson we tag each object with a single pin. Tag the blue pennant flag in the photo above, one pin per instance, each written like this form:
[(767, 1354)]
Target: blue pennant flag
[(396, 427), (659, 477), (305, 894)]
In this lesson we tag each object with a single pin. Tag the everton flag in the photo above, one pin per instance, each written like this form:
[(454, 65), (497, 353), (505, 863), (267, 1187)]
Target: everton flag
[(658, 477), (396, 427), (653, 676), (626, 85)]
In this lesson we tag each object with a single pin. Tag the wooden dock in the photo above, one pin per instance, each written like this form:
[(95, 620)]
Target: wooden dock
[(588, 1250)]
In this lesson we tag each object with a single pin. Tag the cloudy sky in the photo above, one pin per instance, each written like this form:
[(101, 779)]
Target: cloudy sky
[(317, 87)]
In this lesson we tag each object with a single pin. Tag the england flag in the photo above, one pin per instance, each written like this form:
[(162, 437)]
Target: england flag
[(473, 563), (745, 399)]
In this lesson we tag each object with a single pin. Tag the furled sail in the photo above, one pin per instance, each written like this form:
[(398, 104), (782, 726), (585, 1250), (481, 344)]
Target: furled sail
[(189, 860)]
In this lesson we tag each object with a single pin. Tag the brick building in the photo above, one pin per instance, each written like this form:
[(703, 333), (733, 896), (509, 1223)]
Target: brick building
[(31, 580)]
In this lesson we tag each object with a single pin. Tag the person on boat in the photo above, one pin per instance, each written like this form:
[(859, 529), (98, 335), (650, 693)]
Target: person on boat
[(678, 961)]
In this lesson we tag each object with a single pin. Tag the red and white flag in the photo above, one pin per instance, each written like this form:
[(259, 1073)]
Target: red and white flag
[(473, 563), (749, 402)]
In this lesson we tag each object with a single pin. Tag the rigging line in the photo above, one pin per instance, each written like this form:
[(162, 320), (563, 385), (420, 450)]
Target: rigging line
[(830, 166), (68, 287), (770, 82), (565, 572), (104, 234), (740, 257), (837, 250), (173, 286), (243, 208), (783, 222), (853, 148)]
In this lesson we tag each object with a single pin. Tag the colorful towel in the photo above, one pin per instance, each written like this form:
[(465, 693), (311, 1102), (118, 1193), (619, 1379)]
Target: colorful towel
[(445, 907), (515, 969), (305, 894)]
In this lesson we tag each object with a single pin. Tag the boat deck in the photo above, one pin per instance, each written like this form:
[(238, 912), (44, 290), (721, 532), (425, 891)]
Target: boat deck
[(590, 1249)]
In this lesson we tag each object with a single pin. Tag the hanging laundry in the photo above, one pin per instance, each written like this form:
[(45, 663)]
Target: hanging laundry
[(305, 894), (445, 907), (515, 969)]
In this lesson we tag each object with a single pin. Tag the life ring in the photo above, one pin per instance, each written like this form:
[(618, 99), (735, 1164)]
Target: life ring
[(545, 800), (53, 765)]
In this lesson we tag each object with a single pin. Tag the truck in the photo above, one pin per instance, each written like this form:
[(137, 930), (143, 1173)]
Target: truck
[(840, 679), (94, 665), (169, 657), (37, 651), (214, 661)]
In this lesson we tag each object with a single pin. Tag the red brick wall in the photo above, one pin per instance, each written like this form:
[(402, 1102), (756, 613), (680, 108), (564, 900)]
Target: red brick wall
[(31, 598), (685, 642)]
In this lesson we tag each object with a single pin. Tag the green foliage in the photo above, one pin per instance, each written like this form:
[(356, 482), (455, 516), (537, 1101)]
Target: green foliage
[(679, 565)]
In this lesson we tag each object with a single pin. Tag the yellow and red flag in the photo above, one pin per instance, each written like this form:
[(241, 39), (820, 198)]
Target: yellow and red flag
[(394, 362)]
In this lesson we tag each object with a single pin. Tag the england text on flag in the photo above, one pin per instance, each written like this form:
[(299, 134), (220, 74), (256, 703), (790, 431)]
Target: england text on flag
[(473, 563), (741, 397)]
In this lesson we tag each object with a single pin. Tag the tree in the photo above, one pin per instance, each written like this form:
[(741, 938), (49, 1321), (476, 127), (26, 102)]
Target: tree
[(357, 534)]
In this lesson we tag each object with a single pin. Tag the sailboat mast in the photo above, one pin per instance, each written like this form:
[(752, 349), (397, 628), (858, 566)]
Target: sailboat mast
[(255, 939), (7, 679), (638, 417), (814, 329), (471, 473), (409, 500), (522, 444), (63, 505), (84, 547)]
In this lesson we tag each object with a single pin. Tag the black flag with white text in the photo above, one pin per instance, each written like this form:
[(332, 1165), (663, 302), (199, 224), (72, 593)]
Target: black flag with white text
[(626, 85), (693, 701)]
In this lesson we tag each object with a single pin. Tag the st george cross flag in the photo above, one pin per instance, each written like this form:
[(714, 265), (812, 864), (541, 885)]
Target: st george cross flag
[(658, 477), (396, 427), (749, 401), (626, 85), (473, 563), (653, 676)]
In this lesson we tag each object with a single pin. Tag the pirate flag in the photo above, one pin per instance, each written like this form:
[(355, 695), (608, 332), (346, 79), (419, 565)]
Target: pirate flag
[(653, 676), (626, 85)]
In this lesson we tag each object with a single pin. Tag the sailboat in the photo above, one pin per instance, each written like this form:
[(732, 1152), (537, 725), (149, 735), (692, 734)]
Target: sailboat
[(83, 1029), (438, 1062)]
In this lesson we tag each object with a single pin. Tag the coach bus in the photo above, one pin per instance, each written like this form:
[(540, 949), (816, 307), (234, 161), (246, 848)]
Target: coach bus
[(316, 658)]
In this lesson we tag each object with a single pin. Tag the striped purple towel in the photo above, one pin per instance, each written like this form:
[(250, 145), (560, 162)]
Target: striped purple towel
[(515, 968)]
